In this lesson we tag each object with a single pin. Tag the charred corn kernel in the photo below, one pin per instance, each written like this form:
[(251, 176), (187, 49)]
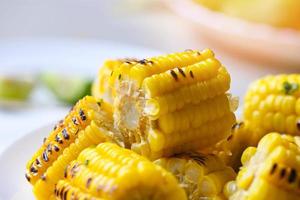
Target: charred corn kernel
[(273, 104), (103, 85), (270, 171), (88, 123), (174, 103), (202, 176), (111, 172)]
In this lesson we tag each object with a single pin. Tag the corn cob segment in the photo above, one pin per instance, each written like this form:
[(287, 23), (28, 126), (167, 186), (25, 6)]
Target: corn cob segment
[(87, 123), (270, 171), (273, 104), (111, 172), (169, 104), (202, 176)]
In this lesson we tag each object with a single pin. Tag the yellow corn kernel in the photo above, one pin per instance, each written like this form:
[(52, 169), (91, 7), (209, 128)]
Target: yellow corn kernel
[(269, 171), (229, 189), (202, 176), (248, 153), (87, 123), (111, 172), (215, 181)]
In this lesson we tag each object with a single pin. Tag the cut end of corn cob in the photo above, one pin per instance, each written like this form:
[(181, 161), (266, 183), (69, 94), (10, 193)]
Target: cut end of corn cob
[(103, 85), (270, 171), (88, 123), (166, 102), (273, 104), (202, 176), (111, 172)]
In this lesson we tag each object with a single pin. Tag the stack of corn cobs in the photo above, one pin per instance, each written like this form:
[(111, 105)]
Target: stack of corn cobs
[(164, 128)]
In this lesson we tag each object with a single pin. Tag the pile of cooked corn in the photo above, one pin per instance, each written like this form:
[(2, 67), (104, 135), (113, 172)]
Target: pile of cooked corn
[(164, 128), (269, 171)]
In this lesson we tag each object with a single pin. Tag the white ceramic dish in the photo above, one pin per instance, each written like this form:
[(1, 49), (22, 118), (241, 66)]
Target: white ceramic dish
[(258, 41), (13, 185)]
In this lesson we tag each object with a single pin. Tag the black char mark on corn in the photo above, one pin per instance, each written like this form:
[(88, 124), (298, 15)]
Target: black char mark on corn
[(181, 72), (191, 74), (174, 75), (45, 156), (82, 115), (292, 176), (75, 121), (88, 182), (282, 173), (273, 169), (58, 139), (65, 134)]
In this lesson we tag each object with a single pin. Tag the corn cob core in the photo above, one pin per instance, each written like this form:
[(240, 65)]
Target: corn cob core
[(202, 176), (270, 171), (111, 172), (273, 104), (87, 123), (102, 86), (166, 102)]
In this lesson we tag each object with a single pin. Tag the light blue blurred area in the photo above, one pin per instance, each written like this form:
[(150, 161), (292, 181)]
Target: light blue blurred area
[(140, 22), (71, 56)]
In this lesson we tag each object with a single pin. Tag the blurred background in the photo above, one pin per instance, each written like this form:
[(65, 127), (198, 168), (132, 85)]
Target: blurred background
[(50, 51)]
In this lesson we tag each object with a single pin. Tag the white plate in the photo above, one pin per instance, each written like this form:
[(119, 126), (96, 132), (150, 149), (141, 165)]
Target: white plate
[(258, 41), (13, 185)]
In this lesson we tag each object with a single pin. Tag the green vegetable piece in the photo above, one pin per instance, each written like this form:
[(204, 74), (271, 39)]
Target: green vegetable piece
[(15, 88), (290, 88), (67, 89)]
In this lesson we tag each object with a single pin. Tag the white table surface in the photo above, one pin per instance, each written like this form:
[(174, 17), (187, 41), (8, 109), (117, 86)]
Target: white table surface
[(150, 26)]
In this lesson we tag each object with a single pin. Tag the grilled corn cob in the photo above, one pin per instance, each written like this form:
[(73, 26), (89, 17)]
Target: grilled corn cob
[(174, 103), (270, 171), (102, 88), (87, 123), (202, 176), (273, 104), (111, 172)]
